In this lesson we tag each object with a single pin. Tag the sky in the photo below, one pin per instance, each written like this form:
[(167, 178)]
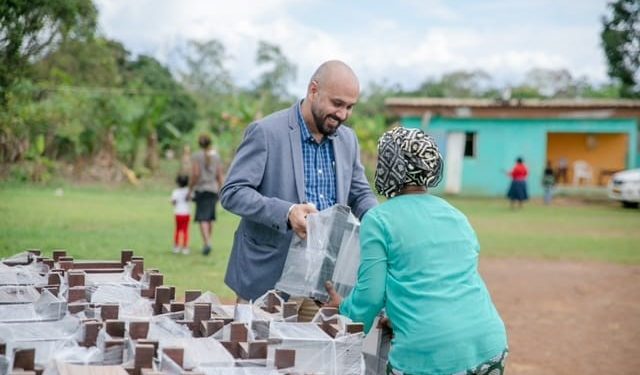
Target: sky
[(395, 41)]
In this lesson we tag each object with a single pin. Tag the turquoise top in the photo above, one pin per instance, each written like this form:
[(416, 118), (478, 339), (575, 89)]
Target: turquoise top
[(419, 258)]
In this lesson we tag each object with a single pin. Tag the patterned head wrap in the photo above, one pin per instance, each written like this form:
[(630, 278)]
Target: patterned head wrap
[(407, 157)]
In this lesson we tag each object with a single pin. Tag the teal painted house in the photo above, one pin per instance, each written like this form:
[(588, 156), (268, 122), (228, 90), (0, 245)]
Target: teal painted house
[(481, 139)]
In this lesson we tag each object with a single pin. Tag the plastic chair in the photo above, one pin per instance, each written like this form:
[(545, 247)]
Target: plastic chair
[(582, 171)]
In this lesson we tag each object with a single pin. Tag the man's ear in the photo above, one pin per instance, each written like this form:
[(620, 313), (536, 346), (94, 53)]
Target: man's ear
[(313, 87)]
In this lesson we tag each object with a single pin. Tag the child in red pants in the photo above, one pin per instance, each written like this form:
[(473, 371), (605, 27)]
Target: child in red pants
[(180, 201)]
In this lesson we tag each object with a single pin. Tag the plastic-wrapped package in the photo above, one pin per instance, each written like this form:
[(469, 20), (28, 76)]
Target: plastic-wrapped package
[(331, 252), (207, 297), (18, 313), (237, 371), (168, 366), (375, 349), (22, 258), (261, 307), (73, 369), (316, 352), (163, 327), (4, 364), (46, 307), (48, 338), (123, 277), (31, 274), (132, 306), (67, 327), (18, 294), (49, 306), (200, 352)]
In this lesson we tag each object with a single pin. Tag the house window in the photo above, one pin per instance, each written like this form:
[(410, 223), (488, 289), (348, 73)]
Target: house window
[(470, 144)]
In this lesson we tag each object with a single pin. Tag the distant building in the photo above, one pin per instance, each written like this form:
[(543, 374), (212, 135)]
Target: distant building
[(480, 139)]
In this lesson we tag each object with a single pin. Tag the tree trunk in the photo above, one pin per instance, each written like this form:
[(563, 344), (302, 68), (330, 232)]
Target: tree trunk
[(151, 160)]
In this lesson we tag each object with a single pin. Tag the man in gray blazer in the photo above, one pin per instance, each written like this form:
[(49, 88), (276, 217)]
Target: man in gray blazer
[(289, 164)]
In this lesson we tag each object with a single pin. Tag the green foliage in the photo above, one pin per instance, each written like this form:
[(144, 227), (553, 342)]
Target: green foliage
[(97, 62), (29, 27), (82, 99), (279, 72), (621, 42), (457, 84), (205, 72)]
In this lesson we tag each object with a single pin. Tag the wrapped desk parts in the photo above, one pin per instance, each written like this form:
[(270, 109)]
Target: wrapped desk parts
[(315, 351), (45, 307), (331, 252)]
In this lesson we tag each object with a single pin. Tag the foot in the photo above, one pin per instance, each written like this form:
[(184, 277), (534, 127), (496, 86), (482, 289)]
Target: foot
[(206, 250), (185, 251), (176, 249)]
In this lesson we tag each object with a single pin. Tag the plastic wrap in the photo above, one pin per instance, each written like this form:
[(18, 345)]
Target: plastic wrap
[(132, 306), (200, 352), (123, 277), (18, 294), (260, 307), (331, 252), (210, 298), (72, 369), (4, 364), (316, 352), (163, 327), (237, 371), (68, 327), (375, 348), (168, 366), (31, 274), (46, 307), (47, 338)]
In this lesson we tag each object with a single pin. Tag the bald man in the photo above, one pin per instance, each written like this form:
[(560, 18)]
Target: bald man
[(292, 163)]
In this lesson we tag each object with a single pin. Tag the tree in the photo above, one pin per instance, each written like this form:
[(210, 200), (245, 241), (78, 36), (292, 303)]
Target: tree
[(271, 86), (176, 111), (29, 27), (206, 73), (98, 62), (457, 84), (621, 42)]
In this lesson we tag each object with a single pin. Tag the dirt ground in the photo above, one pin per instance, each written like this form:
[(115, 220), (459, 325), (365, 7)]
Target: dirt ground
[(567, 317)]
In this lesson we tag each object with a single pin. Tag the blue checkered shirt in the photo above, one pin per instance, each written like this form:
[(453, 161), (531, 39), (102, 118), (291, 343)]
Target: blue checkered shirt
[(319, 167)]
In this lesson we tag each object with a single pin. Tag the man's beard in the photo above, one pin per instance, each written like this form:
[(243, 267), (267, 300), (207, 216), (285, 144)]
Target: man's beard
[(321, 125)]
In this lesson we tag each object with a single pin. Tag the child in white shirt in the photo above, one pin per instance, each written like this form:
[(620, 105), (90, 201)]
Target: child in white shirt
[(180, 201)]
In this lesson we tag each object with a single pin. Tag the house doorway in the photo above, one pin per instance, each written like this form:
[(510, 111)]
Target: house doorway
[(586, 159)]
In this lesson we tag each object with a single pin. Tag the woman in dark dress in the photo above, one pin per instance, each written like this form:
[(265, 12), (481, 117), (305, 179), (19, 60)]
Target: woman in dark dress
[(518, 190)]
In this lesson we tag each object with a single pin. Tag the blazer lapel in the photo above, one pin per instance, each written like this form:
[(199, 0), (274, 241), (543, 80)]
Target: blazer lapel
[(339, 154), (296, 153)]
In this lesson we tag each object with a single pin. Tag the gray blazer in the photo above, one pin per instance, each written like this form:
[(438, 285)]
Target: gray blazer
[(264, 180)]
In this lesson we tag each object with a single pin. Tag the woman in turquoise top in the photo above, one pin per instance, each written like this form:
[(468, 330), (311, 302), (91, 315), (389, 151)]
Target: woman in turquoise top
[(419, 258)]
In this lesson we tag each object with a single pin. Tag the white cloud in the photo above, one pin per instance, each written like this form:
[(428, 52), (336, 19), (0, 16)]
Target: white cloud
[(404, 42)]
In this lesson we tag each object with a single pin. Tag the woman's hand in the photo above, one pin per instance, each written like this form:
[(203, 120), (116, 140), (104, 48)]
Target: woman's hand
[(334, 297)]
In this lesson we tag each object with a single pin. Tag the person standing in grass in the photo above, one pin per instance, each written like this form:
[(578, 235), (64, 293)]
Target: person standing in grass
[(548, 181), (517, 193), (419, 262), (205, 181), (180, 201)]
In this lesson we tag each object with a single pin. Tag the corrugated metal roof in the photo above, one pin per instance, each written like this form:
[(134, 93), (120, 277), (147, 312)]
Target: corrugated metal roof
[(521, 103)]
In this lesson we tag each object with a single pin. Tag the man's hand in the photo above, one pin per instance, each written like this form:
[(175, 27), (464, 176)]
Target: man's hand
[(298, 218), (334, 298)]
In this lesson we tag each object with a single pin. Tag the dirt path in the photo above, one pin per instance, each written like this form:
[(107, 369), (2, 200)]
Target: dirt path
[(567, 317)]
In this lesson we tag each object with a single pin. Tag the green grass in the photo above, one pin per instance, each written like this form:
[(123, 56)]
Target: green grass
[(569, 230), (96, 222)]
